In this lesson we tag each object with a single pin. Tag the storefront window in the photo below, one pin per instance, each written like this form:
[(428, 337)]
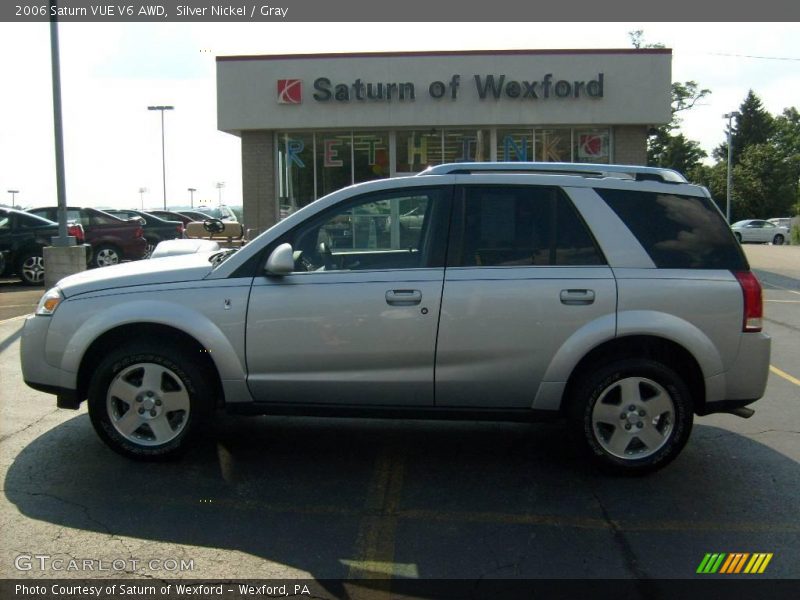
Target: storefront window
[(334, 162), (592, 146), (295, 171), (466, 145), (371, 154), (418, 149), (514, 145), (554, 145)]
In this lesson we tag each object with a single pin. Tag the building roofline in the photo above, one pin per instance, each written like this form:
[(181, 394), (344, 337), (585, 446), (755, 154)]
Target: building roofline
[(544, 52)]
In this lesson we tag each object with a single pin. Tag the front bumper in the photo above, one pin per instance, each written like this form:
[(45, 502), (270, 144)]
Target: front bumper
[(37, 372)]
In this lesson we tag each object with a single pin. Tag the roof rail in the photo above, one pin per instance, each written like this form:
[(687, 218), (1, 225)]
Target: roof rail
[(579, 169)]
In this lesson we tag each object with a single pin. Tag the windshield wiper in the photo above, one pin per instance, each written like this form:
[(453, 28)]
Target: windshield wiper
[(218, 258)]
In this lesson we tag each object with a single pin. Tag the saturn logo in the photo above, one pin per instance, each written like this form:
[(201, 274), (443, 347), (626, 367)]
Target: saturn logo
[(290, 91)]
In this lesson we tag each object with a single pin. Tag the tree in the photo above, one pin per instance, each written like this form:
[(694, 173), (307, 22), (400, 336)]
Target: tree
[(754, 125), (763, 183)]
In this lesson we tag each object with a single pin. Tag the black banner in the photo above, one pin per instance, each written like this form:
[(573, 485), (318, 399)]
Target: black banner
[(197, 11)]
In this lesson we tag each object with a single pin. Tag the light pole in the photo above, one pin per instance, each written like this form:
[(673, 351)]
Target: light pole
[(142, 190), (730, 116), (13, 197), (219, 186), (163, 159), (191, 196)]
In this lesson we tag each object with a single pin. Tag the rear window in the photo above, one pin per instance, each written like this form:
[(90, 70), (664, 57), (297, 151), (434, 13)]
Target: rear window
[(678, 232)]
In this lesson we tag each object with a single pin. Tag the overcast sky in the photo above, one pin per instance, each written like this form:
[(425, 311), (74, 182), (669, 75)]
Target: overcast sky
[(111, 73)]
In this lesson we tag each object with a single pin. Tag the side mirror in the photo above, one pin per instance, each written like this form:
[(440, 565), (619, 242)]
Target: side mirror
[(281, 261)]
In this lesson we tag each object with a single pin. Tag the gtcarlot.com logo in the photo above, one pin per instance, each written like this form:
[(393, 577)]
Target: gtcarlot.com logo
[(734, 563)]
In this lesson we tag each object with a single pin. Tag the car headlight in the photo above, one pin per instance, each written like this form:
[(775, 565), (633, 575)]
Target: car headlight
[(49, 302)]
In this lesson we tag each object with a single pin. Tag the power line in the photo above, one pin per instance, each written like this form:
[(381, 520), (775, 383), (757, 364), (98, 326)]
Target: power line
[(751, 56)]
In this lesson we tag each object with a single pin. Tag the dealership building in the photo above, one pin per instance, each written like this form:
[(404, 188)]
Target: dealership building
[(311, 124)]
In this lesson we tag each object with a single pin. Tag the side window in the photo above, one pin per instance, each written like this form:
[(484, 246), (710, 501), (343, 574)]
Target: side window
[(504, 226), (75, 216), (377, 231), (677, 231), (5, 222), (101, 219)]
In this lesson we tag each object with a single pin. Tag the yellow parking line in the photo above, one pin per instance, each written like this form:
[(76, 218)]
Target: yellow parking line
[(784, 374), (376, 535)]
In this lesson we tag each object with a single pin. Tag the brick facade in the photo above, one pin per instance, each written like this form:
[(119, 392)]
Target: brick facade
[(630, 145), (260, 210)]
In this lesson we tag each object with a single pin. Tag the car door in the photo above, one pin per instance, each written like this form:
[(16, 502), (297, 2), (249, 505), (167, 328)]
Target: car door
[(523, 275), (355, 323)]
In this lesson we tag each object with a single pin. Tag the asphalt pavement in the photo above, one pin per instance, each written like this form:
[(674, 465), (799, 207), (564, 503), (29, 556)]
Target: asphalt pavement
[(312, 498)]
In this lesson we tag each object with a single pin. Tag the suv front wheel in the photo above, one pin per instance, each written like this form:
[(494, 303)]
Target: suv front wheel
[(147, 401), (633, 416)]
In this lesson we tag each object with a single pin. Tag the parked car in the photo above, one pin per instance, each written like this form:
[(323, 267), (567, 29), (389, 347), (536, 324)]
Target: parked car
[(22, 237), (112, 239), (530, 290), (755, 230), (156, 229), (782, 222), (170, 215), (193, 215), (221, 212)]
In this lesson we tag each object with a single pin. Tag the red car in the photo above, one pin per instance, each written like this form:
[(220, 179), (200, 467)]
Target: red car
[(112, 239)]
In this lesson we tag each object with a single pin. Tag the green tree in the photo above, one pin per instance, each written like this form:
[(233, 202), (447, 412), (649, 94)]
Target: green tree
[(754, 125), (763, 184)]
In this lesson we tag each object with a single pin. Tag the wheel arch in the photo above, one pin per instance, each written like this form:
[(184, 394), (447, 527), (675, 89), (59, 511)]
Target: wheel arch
[(654, 347), (128, 332)]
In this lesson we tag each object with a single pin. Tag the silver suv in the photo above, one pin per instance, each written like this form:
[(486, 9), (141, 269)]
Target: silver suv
[(615, 297)]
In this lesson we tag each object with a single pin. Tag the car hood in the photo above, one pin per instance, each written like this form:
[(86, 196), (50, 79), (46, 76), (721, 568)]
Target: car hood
[(172, 269)]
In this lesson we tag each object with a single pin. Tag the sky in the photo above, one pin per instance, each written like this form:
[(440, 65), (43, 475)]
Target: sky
[(110, 73)]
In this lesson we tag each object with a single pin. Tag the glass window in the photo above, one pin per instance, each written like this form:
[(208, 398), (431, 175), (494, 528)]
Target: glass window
[(295, 171), (466, 145), (418, 150), (334, 162), (383, 231), (523, 226), (96, 218), (514, 145), (371, 154), (554, 145), (678, 232), (592, 146)]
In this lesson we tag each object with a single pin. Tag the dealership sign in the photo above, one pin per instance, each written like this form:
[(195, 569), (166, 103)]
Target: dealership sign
[(488, 87)]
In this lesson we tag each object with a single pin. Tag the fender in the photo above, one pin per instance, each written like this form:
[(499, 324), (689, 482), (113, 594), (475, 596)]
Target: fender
[(675, 329), (181, 316)]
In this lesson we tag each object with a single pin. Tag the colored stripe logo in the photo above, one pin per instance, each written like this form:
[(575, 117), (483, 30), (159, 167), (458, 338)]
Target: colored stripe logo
[(735, 563)]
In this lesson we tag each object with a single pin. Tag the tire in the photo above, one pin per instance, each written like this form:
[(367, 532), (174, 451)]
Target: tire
[(778, 240), (169, 394), (151, 245), (30, 268), (633, 416), (106, 255), (738, 237)]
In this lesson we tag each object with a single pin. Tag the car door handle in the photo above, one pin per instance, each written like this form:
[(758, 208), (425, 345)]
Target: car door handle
[(403, 297), (574, 297)]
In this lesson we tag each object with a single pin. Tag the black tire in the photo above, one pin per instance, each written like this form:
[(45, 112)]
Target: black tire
[(106, 255), (778, 240), (603, 425), (179, 375), (151, 245), (30, 268), (738, 237)]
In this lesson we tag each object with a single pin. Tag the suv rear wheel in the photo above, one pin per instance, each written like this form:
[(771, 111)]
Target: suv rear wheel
[(147, 401), (633, 416)]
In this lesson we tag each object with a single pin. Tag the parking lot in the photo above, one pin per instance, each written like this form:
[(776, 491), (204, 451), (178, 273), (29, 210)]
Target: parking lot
[(285, 497)]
